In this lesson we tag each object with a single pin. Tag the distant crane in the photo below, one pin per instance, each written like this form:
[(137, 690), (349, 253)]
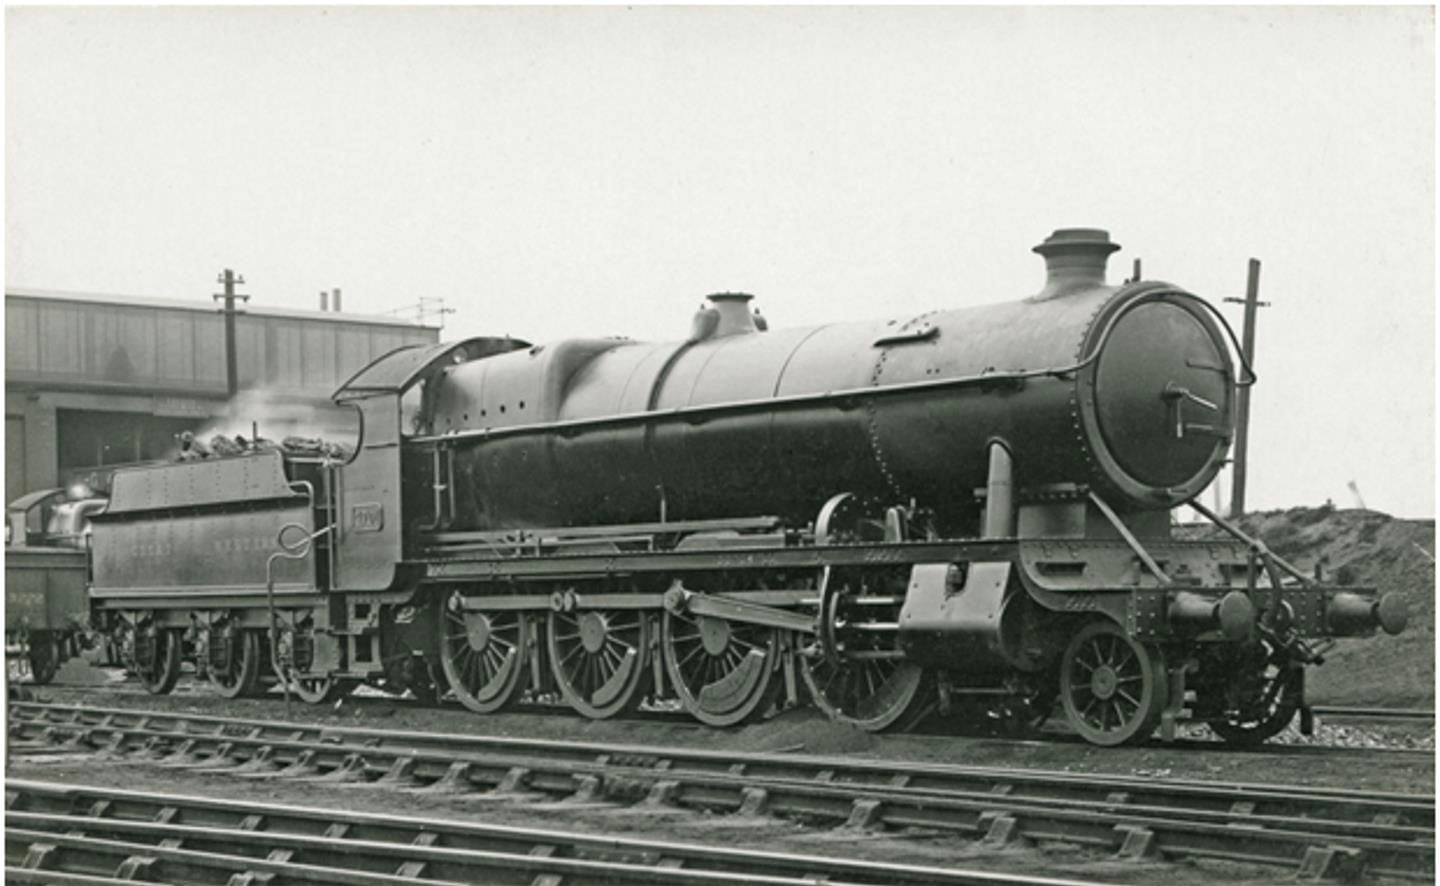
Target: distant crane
[(1355, 494)]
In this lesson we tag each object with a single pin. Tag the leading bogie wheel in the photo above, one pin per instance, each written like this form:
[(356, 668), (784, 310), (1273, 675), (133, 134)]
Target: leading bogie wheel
[(723, 671), (1259, 699), (1112, 686), (483, 654), (599, 658)]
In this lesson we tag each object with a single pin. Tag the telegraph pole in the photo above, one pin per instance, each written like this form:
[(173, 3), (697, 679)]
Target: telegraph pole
[(1242, 419), (232, 372)]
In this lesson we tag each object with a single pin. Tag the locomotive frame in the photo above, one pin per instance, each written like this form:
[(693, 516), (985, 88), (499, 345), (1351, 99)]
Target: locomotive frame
[(467, 553)]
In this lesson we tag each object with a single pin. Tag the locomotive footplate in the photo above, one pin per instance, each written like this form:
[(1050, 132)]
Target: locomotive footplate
[(590, 566)]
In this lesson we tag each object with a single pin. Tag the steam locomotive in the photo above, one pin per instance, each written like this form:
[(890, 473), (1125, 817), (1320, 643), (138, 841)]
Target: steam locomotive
[(963, 510)]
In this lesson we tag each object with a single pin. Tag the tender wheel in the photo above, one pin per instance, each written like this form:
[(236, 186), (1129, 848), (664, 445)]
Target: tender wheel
[(295, 653), (1259, 702), (1113, 688), (722, 671), (234, 664), (44, 658), (154, 657), (599, 658), (483, 654)]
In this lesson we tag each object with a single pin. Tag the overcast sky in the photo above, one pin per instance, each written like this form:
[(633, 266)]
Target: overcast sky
[(561, 172)]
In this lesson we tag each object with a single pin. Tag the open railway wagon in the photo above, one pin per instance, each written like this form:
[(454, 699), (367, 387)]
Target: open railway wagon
[(963, 510)]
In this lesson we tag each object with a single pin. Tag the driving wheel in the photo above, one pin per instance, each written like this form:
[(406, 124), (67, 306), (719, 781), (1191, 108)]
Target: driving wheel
[(599, 658), (483, 654), (723, 671)]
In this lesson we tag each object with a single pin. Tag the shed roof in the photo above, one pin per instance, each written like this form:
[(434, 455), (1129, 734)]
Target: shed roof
[(177, 304)]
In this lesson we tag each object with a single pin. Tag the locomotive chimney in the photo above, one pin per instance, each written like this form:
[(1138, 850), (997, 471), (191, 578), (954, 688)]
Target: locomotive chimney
[(734, 313), (1074, 260)]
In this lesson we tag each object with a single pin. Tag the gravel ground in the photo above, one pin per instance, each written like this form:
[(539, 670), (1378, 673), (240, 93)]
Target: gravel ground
[(794, 731)]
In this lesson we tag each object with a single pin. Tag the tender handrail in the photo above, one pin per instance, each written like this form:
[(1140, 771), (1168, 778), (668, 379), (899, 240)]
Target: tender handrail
[(297, 550)]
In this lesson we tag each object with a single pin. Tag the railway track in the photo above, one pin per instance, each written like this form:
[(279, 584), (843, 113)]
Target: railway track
[(940, 729), (1374, 715), (85, 835), (1320, 832)]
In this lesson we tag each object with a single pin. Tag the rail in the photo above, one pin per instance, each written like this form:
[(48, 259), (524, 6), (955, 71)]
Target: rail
[(1340, 712), (79, 831)]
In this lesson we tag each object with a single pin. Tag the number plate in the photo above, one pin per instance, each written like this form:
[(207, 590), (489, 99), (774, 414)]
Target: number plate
[(367, 517)]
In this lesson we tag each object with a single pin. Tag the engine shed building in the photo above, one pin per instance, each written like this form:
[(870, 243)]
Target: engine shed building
[(94, 380)]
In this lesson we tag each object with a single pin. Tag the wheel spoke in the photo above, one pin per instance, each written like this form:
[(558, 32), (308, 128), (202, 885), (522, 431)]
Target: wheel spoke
[(691, 655)]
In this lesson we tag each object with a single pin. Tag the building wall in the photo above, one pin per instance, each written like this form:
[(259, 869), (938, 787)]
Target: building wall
[(67, 342), (30, 445), (144, 368)]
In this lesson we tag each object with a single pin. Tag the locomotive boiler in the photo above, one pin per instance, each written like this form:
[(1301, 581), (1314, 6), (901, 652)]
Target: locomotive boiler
[(965, 510), (1126, 392)]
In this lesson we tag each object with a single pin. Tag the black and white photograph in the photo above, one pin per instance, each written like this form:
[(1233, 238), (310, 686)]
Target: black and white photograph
[(719, 444)]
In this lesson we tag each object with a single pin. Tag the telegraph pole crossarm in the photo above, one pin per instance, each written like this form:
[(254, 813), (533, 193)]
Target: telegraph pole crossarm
[(1252, 303), (427, 307)]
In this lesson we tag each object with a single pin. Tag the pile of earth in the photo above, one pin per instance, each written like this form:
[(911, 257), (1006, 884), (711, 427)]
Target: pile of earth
[(1368, 549)]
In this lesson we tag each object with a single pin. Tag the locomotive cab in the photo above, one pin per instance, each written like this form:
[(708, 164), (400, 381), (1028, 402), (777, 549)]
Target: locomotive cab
[(369, 505)]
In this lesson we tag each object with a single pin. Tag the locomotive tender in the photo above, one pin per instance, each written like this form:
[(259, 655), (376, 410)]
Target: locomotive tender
[(897, 519), (47, 608)]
